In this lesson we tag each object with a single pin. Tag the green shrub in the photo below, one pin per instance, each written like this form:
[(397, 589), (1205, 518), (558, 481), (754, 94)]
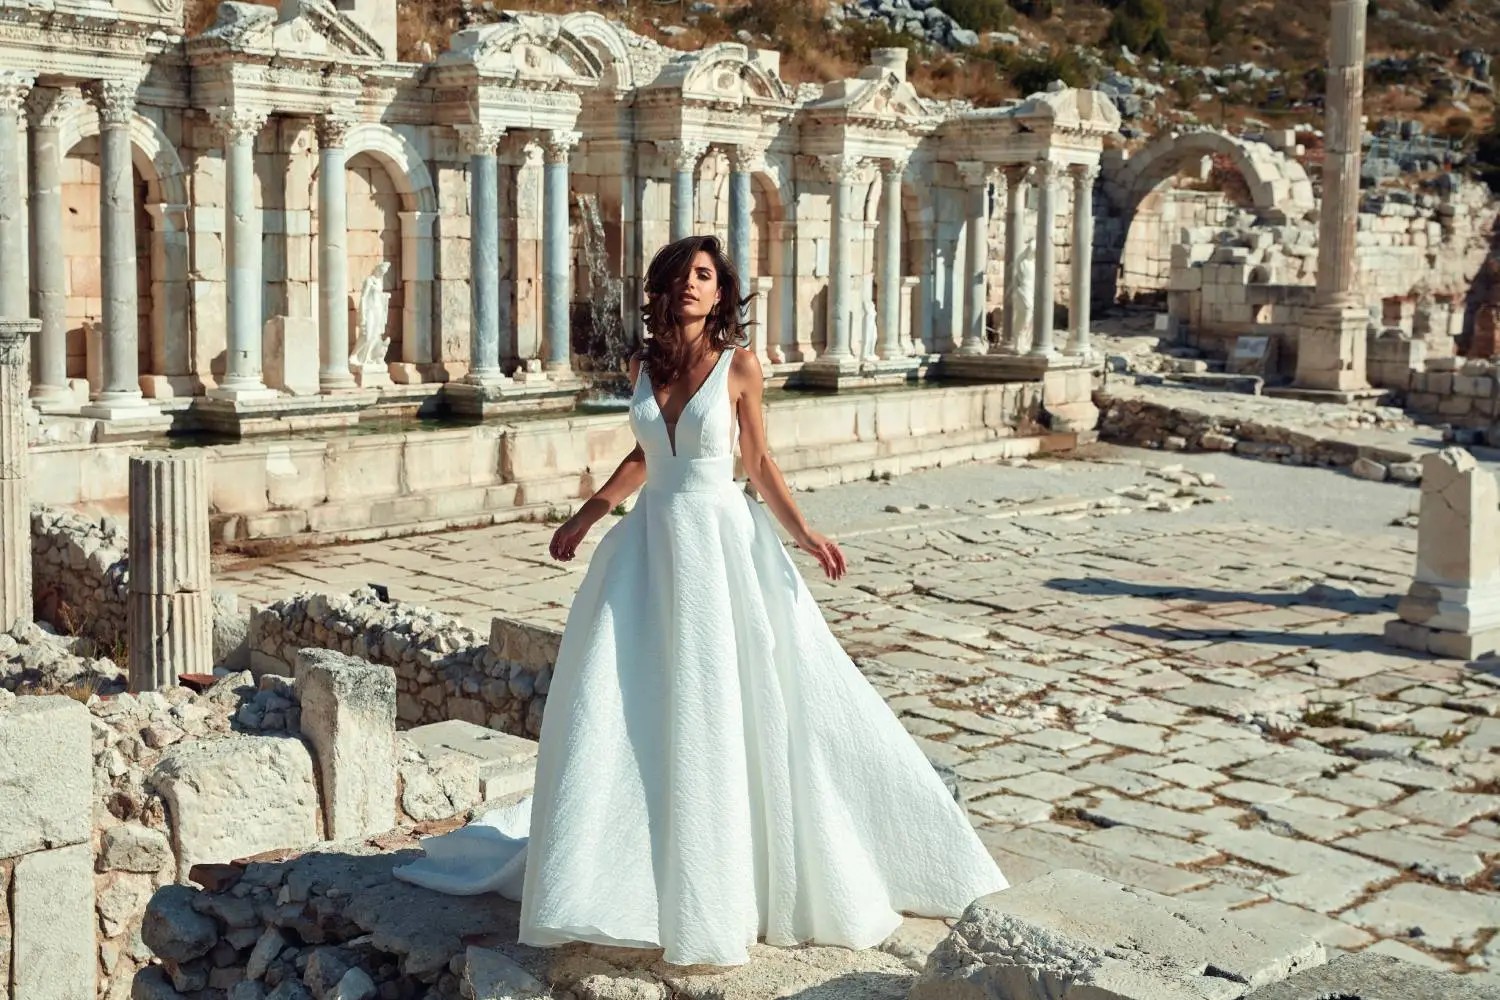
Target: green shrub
[(1037, 10), (978, 15), (1033, 74), (1141, 26), (1215, 24)]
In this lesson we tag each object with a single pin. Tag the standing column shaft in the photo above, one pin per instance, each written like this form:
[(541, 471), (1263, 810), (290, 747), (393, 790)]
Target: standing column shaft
[(170, 613), (1015, 229), (556, 274), (890, 345), (49, 349), (14, 88), (15, 506), (842, 171), (1083, 257), (1343, 129), (484, 251), (1046, 259), (975, 178), (683, 156), (739, 212), (333, 256), (242, 370)]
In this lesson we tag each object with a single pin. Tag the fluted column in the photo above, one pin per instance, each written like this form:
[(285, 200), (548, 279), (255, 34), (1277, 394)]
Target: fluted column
[(683, 156), (889, 308), (557, 147), (243, 364), (15, 506), (1046, 260), (843, 171), (333, 256), (743, 160), (49, 349), (1081, 303), (975, 177), (14, 88), (1339, 212), (480, 142), (119, 394), (170, 612), (1017, 183)]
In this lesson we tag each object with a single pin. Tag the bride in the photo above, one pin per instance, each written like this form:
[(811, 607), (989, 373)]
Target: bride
[(713, 768)]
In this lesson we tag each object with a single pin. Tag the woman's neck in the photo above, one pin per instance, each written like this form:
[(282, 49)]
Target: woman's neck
[(694, 334)]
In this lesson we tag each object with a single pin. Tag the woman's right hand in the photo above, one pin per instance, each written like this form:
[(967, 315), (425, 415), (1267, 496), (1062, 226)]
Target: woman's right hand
[(826, 551), (565, 539)]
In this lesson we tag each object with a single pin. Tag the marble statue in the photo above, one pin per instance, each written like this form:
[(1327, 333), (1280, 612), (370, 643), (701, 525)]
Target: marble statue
[(374, 306), (868, 326), (1023, 296)]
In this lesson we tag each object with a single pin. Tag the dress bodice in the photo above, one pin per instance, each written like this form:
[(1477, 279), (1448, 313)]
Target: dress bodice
[(699, 451)]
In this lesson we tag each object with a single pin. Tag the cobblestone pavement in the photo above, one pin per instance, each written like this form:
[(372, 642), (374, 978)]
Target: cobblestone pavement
[(1135, 675)]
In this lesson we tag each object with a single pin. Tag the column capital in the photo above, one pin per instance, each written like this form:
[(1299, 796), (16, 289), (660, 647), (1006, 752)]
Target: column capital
[(893, 168), (14, 88), (746, 156), (14, 335), (47, 106), (842, 168), (480, 140), (558, 145), (682, 154), (1084, 174), (333, 128), (236, 123), (1047, 171), (974, 173), (1017, 174), (114, 99)]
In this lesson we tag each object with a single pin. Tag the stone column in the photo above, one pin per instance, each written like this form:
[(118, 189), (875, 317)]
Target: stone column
[(49, 350), (1081, 302), (1046, 218), (171, 609), (742, 160), (333, 256), (480, 142), (557, 147), (975, 177), (1017, 183), (683, 155), (242, 369), (842, 171), (120, 387), (14, 88), (890, 345), (15, 507)]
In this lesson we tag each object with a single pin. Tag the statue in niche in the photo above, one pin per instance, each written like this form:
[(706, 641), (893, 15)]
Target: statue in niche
[(1023, 295), (868, 327), (374, 306)]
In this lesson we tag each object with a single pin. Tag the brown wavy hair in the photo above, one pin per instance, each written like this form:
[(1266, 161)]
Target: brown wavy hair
[(664, 352)]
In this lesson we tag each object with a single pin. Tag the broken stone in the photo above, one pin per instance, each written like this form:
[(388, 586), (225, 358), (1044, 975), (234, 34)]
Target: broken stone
[(131, 847), (1367, 976), (490, 975), (173, 929), (349, 716)]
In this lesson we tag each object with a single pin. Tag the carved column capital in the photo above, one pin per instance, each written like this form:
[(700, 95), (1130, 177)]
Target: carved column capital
[(1016, 174), (47, 106), (235, 123), (682, 154), (893, 168), (559, 144), (747, 157), (1084, 174), (843, 168), (114, 100), (1047, 172), (333, 128), (14, 88), (479, 140)]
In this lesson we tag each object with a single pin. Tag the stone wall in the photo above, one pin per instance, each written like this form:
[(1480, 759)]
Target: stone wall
[(444, 669), (1456, 391), (79, 574)]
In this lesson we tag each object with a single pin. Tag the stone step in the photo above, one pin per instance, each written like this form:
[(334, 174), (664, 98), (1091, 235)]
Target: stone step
[(1070, 935)]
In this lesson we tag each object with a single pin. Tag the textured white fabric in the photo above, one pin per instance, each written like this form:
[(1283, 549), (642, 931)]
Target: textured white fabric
[(713, 768)]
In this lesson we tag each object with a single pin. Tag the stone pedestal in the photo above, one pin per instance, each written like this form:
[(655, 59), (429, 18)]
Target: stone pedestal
[(1453, 605), (15, 509), (171, 606), (1331, 349), (349, 717)]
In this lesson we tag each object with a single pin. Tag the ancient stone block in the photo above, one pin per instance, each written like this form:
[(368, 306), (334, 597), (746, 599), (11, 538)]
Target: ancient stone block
[(230, 798), (52, 917), (1070, 934), (349, 716), (504, 764), (1367, 976), (46, 779)]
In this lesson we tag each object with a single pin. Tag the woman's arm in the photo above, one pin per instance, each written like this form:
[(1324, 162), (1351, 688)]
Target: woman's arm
[(748, 386), (629, 476)]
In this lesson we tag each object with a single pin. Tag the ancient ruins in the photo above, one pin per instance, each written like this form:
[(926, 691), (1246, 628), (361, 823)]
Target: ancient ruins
[(273, 285)]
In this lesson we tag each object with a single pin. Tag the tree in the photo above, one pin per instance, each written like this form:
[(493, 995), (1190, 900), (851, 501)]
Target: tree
[(1141, 26), (1215, 25)]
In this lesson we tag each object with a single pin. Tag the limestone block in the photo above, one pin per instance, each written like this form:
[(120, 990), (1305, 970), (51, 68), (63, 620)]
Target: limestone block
[(503, 763), (349, 716), (1070, 935), (230, 798), (46, 778), (131, 847), (1367, 976), (291, 355), (52, 919)]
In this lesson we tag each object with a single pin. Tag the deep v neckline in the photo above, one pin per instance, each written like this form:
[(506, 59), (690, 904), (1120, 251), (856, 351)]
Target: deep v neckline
[(671, 426)]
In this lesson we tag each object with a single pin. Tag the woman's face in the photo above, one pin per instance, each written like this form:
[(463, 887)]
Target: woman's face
[(697, 291)]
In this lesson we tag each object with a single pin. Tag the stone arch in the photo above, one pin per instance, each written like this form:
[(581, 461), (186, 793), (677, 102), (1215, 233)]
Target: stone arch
[(404, 165), (165, 359), (1276, 185), (598, 33)]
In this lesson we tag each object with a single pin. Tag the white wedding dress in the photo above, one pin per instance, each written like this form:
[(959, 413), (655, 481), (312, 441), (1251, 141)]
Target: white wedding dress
[(713, 768)]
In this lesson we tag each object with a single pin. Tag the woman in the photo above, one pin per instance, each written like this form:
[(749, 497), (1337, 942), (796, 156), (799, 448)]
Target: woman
[(713, 769)]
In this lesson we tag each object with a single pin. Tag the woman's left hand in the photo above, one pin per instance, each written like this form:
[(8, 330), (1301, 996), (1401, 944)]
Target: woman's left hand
[(826, 551)]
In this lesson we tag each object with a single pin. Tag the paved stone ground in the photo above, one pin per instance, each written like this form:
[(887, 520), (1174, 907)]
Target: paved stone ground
[(1176, 685)]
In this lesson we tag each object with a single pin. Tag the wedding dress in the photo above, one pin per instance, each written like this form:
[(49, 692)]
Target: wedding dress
[(713, 768)]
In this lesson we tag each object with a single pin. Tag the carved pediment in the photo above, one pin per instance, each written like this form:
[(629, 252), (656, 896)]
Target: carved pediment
[(301, 29), (728, 74), (881, 95), (533, 49), (1070, 109)]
